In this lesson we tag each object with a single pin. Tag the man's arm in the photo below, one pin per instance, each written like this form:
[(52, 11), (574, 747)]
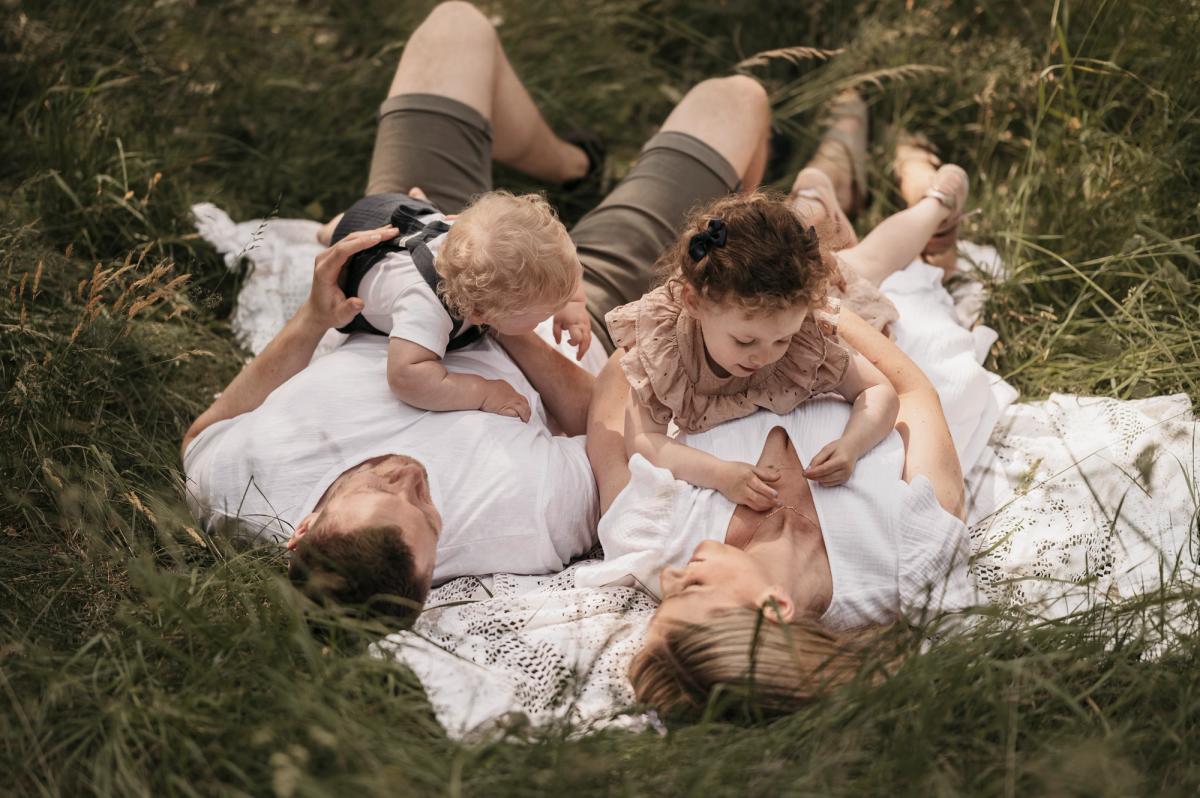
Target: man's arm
[(565, 388), (606, 431), (291, 350)]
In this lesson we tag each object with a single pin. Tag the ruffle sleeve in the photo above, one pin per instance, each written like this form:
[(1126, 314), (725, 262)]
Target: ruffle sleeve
[(933, 552), (653, 365)]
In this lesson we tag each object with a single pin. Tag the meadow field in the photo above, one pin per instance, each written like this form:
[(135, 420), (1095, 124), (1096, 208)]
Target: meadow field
[(140, 657)]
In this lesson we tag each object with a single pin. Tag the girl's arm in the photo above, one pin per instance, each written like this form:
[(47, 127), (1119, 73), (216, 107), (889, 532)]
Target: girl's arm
[(418, 378), (743, 483), (872, 419), (929, 449)]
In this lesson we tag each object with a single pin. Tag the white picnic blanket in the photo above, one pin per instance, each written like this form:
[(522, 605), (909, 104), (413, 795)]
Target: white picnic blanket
[(1073, 500)]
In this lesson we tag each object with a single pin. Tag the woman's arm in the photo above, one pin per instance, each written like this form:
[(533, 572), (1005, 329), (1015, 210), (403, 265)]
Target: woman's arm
[(929, 449), (291, 350)]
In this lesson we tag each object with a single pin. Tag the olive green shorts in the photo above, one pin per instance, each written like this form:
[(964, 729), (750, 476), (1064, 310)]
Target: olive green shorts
[(445, 147)]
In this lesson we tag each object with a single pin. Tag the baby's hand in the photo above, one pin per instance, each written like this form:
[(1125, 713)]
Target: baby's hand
[(502, 399), (575, 320), (747, 484), (834, 464)]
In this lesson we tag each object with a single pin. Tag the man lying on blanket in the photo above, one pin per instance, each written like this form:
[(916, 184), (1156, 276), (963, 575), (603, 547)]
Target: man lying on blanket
[(376, 497)]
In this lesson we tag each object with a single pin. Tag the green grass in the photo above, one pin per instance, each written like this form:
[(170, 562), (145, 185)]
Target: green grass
[(136, 657)]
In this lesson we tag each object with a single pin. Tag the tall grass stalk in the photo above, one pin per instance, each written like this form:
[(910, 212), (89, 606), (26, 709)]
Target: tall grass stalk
[(139, 657)]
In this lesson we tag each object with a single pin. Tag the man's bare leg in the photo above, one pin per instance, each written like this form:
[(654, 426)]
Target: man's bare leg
[(733, 116), (455, 53)]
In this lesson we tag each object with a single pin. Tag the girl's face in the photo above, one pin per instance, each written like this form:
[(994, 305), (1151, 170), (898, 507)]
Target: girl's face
[(740, 342)]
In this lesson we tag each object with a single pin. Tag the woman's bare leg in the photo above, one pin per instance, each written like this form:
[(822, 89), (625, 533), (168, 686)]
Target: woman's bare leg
[(896, 241), (915, 165)]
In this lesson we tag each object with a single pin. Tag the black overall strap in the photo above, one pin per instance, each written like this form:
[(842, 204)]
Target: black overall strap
[(417, 244), (368, 213), (414, 238)]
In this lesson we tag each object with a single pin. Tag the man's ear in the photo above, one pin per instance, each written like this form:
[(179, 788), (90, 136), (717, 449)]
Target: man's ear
[(301, 530), (777, 605)]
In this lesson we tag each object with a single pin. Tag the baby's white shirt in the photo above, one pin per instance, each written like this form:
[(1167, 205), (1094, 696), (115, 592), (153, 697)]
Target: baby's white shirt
[(397, 300)]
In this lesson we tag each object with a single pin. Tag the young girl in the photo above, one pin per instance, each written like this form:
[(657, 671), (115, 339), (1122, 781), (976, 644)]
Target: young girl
[(744, 322), (505, 263)]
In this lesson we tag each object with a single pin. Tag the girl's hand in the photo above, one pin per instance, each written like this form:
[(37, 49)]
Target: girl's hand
[(834, 464), (502, 399), (746, 484), (575, 320), (327, 303)]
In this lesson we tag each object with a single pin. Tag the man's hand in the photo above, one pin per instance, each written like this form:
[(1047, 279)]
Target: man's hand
[(746, 484), (575, 320), (834, 464), (327, 305), (292, 347), (502, 399)]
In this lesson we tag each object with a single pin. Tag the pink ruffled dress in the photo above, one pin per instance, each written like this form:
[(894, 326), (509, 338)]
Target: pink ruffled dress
[(669, 373)]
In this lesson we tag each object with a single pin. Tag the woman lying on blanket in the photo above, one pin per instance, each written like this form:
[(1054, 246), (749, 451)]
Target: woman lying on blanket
[(790, 585)]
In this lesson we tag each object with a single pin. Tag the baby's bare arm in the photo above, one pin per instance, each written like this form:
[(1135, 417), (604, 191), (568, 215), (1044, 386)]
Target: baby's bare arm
[(418, 378)]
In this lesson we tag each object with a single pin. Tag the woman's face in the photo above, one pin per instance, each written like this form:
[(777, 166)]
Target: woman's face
[(741, 342), (718, 577)]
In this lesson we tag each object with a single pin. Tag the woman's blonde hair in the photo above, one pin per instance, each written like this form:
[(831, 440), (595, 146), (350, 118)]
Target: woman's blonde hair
[(770, 666), (504, 254)]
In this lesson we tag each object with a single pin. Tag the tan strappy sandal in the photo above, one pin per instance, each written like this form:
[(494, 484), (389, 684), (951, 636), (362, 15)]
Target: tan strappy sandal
[(948, 184), (841, 149), (949, 187)]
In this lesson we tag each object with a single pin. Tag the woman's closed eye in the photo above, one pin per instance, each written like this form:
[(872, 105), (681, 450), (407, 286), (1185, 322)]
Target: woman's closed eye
[(750, 342)]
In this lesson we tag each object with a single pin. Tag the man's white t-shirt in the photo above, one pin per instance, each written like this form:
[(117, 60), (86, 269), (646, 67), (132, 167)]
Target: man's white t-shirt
[(399, 303), (513, 497)]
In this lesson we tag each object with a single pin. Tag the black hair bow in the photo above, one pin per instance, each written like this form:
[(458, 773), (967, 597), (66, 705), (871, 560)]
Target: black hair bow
[(705, 240)]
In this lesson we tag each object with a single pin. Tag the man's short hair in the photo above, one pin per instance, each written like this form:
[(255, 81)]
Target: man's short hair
[(372, 567)]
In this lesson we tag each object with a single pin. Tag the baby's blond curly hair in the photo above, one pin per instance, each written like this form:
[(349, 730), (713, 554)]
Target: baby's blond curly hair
[(505, 254)]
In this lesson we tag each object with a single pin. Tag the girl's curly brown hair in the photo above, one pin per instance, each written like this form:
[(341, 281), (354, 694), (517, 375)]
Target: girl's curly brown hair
[(770, 259)]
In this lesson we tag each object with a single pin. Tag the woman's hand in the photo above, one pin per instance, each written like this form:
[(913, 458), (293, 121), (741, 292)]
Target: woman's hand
[(327, 305), (746, 484), (575, 320), (834, 464)]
